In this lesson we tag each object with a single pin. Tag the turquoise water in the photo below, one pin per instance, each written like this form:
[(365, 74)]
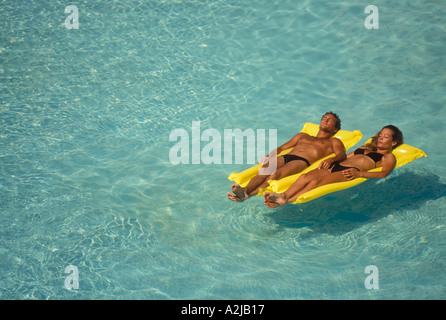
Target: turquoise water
[(86, 180)]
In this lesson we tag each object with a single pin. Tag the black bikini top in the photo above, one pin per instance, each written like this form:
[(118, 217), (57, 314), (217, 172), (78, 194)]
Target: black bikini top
[(375, 156)]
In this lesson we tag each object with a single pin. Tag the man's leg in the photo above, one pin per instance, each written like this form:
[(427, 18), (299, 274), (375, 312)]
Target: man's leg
[(286, 170), (252, 187)]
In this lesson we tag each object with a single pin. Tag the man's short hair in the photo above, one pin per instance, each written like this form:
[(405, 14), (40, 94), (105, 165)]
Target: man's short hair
[(338, 120)]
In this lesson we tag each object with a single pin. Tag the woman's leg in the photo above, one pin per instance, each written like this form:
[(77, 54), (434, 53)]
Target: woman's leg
[(272, 199), (318, 182)]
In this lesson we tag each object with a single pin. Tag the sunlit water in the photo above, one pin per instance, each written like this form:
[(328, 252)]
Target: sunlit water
[(86, 180)]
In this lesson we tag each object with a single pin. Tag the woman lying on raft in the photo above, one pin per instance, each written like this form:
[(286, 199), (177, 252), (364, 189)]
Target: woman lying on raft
[(377, 153)]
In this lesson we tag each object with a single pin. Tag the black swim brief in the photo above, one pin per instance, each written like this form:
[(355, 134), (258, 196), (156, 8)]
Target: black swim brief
[(335, 167), (293, 157)]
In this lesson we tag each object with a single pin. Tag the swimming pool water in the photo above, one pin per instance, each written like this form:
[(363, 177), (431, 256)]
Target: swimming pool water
[(85, 176)]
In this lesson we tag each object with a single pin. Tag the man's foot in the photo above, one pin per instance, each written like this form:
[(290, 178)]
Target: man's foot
[(271, 204), (274, 199), (239, 193), (234, 197)]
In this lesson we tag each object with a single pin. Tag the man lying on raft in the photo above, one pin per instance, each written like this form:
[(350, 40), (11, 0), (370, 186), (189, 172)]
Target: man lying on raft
[(306, 150), (377, 153)]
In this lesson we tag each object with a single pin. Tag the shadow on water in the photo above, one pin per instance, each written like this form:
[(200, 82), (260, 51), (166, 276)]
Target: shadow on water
[(346, 210)]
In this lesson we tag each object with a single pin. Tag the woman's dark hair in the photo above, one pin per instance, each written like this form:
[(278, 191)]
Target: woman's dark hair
[(397, 136)]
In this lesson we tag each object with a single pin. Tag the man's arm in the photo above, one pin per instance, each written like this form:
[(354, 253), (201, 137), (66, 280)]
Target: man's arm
[(290, 144), (339, 150)]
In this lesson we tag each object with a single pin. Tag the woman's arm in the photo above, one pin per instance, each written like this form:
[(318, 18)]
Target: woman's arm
[(389, 161)]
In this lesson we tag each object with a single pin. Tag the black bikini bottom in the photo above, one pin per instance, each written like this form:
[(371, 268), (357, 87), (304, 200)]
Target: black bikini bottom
[(292, 157), (335, 167)]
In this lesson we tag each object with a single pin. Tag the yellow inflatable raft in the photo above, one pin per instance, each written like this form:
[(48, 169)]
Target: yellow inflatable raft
[(404, 154), (348, 138)]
